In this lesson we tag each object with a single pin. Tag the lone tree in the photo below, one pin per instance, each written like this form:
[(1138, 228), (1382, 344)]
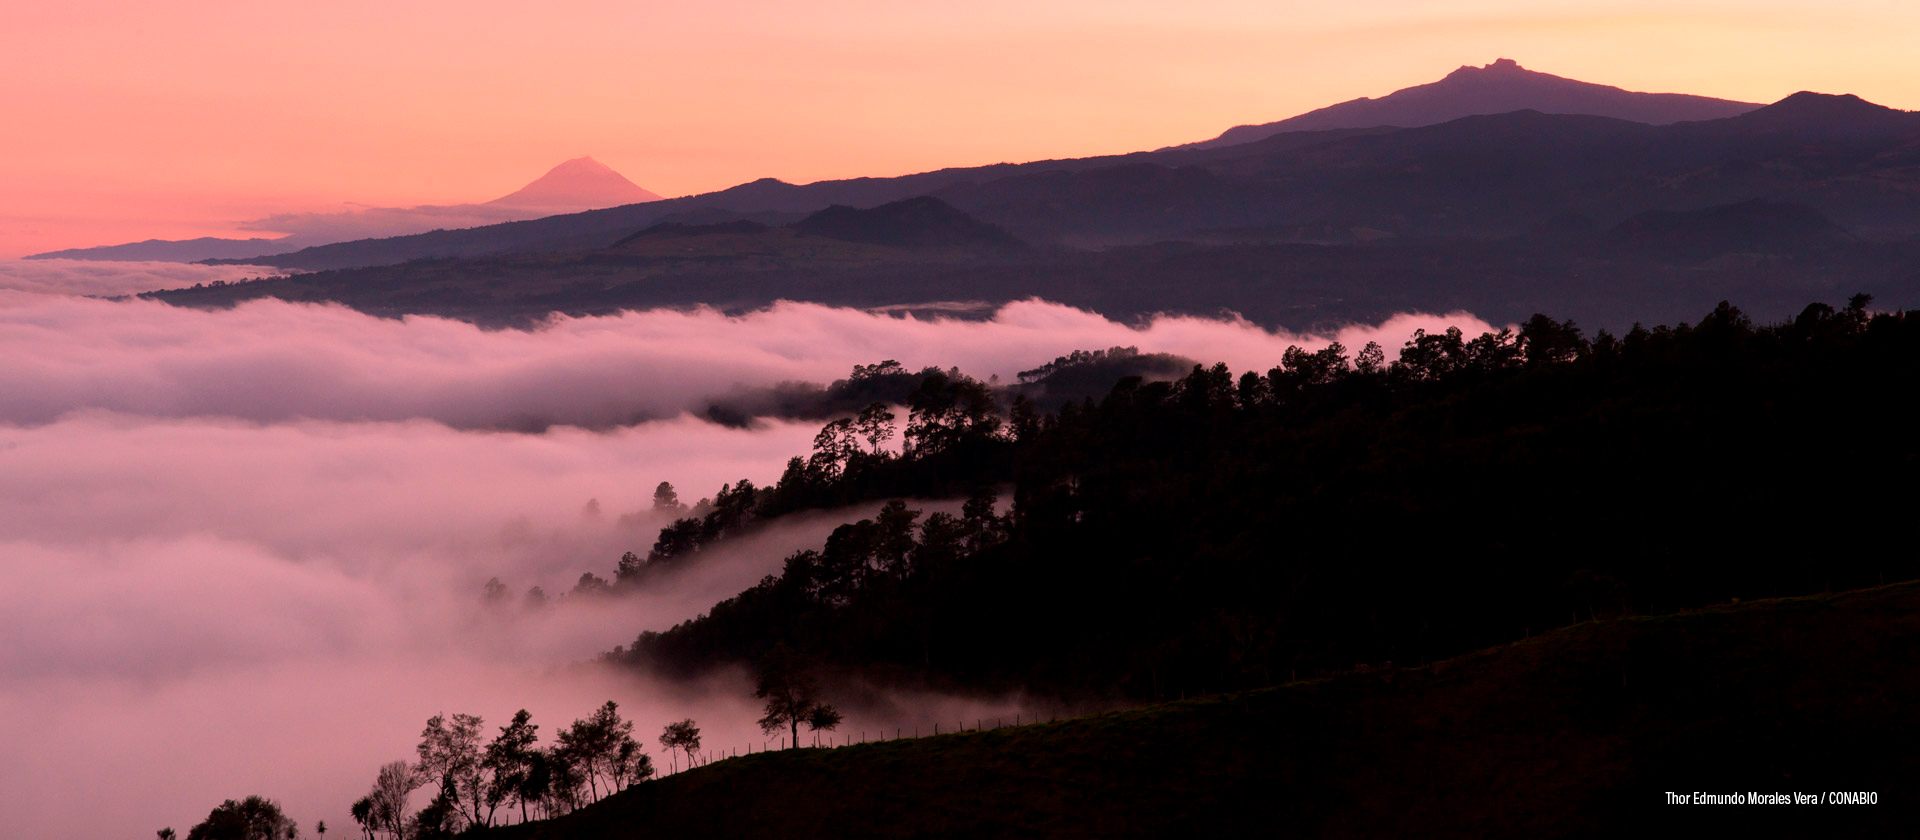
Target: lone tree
[(252, 818), (792, 698), (664, 498), (682, 736)]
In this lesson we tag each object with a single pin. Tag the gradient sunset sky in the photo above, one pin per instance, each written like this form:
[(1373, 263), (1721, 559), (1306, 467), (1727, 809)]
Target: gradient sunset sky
[(129, 120)]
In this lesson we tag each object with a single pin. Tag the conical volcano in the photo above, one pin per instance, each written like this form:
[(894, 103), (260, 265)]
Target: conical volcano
[(579, 184)]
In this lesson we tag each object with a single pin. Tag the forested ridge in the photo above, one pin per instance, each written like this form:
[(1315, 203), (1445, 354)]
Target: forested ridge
[(1229, 531)]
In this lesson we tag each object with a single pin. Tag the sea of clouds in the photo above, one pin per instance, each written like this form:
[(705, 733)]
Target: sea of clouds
[(241, 551)]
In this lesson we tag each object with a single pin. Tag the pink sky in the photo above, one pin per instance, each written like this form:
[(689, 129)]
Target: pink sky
[(127, 120)]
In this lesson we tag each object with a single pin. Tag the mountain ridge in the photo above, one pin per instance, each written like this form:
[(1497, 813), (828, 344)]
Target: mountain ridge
[(1445, 180), (1496, 88)]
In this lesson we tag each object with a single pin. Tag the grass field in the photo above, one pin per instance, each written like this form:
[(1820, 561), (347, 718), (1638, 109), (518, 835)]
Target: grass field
[(1576, 733)]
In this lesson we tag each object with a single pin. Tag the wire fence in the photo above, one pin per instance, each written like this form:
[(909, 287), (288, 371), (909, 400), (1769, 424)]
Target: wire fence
[(829, 739)]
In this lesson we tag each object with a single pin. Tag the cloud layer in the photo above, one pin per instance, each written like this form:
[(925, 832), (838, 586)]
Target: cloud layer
[(85, 277), (241, 551), (270, 361)]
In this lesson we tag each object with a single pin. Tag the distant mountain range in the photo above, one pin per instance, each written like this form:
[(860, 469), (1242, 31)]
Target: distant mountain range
[(576, 185), (1498, 88), (1597, 218), (1484, 176)]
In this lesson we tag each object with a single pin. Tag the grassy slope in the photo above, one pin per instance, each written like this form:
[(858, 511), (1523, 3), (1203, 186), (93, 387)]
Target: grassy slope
[(1575, 733)]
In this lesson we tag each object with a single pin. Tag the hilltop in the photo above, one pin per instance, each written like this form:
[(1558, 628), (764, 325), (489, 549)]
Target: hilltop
[(1497, 88)]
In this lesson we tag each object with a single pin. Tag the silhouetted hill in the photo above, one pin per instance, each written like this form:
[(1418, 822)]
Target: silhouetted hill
[(1497, 88), (1574, 733), (172, 250), (1757, 226), (1820, 116), (666, 230), (924, 221)]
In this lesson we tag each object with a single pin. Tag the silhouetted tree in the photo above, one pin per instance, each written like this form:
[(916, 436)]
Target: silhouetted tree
[(252, 818), (631, 764), (494, 594), (509, 759), (823, 717), (602, 747), (442, 818), (792, 697), (450, 753), (875, 424), (1371, 359), (536, 787), (566, 777), (589, 585), (834, 448), (387, 802), (1544, 340), (629, 569), (947, 410), (362, 813), (683, 736), (665, 499), (676, 541)]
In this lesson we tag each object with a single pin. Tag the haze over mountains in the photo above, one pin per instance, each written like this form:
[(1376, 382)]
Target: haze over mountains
[(579, 184)]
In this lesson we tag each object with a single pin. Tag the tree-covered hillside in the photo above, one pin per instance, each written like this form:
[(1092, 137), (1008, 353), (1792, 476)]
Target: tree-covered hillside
[(1229, 531)]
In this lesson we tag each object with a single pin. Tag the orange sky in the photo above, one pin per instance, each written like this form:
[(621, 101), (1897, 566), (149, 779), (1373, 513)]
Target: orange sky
[(128, 120)]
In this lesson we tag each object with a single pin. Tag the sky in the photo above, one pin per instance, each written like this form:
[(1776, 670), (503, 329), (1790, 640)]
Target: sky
[(128, 121)]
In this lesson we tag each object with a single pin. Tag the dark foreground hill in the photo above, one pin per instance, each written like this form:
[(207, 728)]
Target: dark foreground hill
[(1577, 733)]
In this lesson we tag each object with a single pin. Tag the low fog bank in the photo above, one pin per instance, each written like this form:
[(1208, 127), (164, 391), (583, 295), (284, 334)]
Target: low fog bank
[(244, 550), (362, 491), (200, 668), (87, 277), (271, 361)]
